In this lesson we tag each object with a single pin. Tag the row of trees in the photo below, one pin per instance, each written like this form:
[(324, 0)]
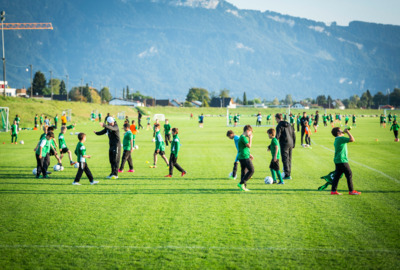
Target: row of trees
[(127, 95)]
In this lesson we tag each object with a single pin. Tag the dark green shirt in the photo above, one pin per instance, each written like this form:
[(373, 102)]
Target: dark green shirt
[(175, 145), (244, 151), (341, 149), (80, 151), (167, 128), (272, 147), (128, 137)]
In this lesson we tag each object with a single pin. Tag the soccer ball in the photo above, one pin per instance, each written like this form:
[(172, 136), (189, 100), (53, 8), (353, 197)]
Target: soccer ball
[(57, 168), (136, 146), (34, 171), (61, 168), (76, 165), (268, 180), (21, 142), (153, 140), (71, 133)]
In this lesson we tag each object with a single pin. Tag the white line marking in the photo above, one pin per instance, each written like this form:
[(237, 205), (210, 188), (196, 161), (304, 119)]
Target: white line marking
[(203, 248), (363, 165)]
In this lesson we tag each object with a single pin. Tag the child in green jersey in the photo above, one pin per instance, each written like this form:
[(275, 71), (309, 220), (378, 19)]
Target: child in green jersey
[(269, 116), (36, 121), (354, 120), (41, 152), (167, 132), (173, 159), (41, 121), (14, 132), (17, 119), (245, 158), (274, 148), (56, 121), (395, 128), (383, 121), (160, 146), (80, 152), (341, 160), (128, 146), (63, 146), (346, 120)]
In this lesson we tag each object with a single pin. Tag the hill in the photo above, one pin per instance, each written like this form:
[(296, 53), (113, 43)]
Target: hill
[(163, 48)]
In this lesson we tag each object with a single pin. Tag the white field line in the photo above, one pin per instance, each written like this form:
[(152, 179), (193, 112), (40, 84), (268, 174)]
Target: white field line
[(197, 248), (363, 165)]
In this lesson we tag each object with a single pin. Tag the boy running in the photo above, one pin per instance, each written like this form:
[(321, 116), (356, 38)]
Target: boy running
[(341, 161), (395, 128), (167, 132), (14, 132), (128, 144), (231, 135), (63, 146), (274, 147), (41, 151), (354, 120), (80, 152), (41, 121), (245, 157), (173, 159), (160, 147), (56, 121), (383, 121)]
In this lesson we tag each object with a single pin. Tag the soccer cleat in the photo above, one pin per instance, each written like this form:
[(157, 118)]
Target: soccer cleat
[(48, 172), (131, 171), (242, 187), (274, 182), (183, 174), (287, 178), (72, 163), (76, 184), (109, 177), (46, 176), (114, 177), (94, 182), (246, 189), (335, 193), (169, 176), (354, 192), (39, 177), (281, 183), (120, 171)]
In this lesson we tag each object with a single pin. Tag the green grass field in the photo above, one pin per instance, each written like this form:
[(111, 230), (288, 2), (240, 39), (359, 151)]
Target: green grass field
[(202, 221)]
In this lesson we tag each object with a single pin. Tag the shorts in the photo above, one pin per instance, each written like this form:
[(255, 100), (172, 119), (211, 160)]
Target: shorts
[(200, 122), (161, 153), (274, 165), (315, 123), (64, 150), (52, 153)]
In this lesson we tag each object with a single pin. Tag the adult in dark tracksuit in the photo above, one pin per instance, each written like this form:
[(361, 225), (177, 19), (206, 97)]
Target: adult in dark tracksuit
[(287, 139), (303, 122), (140, 120), (112, 130)]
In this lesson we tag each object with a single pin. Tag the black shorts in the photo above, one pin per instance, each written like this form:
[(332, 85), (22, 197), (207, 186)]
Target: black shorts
[(274, 165), (52, 153), (315, 123), (161, 153), (64, 150), (201, 122)]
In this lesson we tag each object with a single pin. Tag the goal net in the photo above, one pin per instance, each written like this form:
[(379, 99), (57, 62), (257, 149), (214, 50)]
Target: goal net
[(5, 123), (160, 117), (121, 115), (248, 115), (68, 114)]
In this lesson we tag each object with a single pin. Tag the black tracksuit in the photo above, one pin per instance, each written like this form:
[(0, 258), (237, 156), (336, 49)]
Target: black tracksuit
[(303, 121), (126, 156), (340, 169), (114, 153), (287, 140), (245, 176), (140, 121), (83, 167)]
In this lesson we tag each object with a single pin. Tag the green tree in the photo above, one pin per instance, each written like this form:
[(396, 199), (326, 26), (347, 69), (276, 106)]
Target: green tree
[(395, 97), (54, 86), (63, 90), (288, 99), (238, 101), (75, 94), (105, 94), (123, 93), (321, 100), (256, 101), (39, 83), (205, 103), (198, 94), (244, 98), (224, 93), (370, 102), (276, 101), (86, 93), (128, 95), (379, 99)]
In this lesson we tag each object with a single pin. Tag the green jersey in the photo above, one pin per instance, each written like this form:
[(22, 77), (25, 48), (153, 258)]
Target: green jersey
[(269, 117), (45, 145), (341, 150), (128, 137), (291, 119), (244, 151), (99, 115), (346, 119), (160, 145), (80, 151), (14, 129), (167, 129), (395, 117), (175, 145), (390, 117), (56, 119), (42, 136), (36, 119), (235, 119), (61, 141), (272, 147), (148, 120), (354, 118), (17, 119), (41, 119), (383, 119), (395, 127)]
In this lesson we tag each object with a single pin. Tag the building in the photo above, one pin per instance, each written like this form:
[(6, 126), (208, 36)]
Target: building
[(218, 102), (21, 92), (386, 107), (10, 92), (196, 103), (297, 106), (176, 103), (338, 104), (163, 102), (121, 102)]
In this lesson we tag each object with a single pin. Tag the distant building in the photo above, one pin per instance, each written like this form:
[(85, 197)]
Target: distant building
[(218, 102), (196, 103), (298, 106), (386, 107), (21, 92), (163, 102), (149, 102), (10, 92), (176, 103), (338, 104), (121, 102)]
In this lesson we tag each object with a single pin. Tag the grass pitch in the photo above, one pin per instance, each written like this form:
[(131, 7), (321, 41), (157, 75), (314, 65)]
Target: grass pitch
[(202, 221)]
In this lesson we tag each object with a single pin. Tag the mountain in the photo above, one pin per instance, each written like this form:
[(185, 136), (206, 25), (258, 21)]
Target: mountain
[(163, 48)]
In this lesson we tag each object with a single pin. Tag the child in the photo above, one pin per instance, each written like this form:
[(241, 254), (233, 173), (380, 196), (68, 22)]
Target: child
[(235, 120), (201, 120), (134, 131), (331, 119), (154, 127), (46, 121), (274, 147), (148, 122), (173, 159), (269, 119), (41, 121), (160, 146), (167, 132), (308, 135), (383, 121), (341, 161), (316, 121), (99, 117), (63, 147), (63, 120), (14, 132), (128, 146), (298, 122), (291, 119), (346, 120), (324, 118), (354, 120), (390, 118), (56, 121), (245, 158), (259, 119), (53, 150), (231, 135), (17, 119), (41, 152), (230, 119), (395, 128), (80, 152)]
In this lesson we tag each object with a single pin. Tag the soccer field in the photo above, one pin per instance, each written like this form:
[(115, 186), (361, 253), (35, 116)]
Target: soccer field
[(202, 221)]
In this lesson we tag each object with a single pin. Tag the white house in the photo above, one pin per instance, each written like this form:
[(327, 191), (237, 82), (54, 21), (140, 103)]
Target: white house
[(297, 106), (121, 102), (10, 92), (337, 103)]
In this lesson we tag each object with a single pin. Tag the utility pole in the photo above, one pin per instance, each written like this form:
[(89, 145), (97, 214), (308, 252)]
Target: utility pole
[(51, 83), (81, 88), (3, 18), (66, 87), (31, 81), (101, 95)]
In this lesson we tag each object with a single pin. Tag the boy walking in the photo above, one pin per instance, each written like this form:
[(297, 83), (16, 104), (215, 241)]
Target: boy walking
[(14, 132), (128, 146), (167, 132), (354, 120), (395, 128), (235, 138), (245, 158), (41, 151), (36, 123), (63, 146), (173, 159), (160, 146), (274, 148), (56, 121), (80, 152), (341, 160)]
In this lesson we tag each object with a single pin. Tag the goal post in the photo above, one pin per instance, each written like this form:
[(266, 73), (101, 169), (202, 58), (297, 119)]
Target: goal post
[(121, 115), (247, 114), (160, 117), (4, 121)]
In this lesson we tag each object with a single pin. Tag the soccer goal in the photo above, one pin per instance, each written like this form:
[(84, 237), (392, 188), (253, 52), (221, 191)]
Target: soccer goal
[(247, 115), (121, 115), (5, 123), (68, 114), (160, 117)]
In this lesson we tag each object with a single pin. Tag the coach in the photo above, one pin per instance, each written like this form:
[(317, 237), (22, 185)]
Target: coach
[(112, 130), (303, 122), (287, 140)]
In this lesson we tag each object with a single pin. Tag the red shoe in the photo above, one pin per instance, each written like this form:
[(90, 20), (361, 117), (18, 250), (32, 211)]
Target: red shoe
[(335, 193), (183, 174), (169, 176), (354, 192), (131, 171), (120, 171)]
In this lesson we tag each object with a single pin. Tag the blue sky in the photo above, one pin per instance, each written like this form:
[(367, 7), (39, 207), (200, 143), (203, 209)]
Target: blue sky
[(341, 11)]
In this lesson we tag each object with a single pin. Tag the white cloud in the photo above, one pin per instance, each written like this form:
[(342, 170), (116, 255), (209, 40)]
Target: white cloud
[(40, 43), (273, 73), (149, 52), (232, 62), (19, 35), (241, 46), (276, 18), (358, 45), (325, 55), (342, 80), (317, 28), (233, 12), (208, 4), (350, 82)]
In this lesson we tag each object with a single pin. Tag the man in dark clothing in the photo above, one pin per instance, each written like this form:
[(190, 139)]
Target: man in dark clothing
[(112, 130), (303, 122), (316, 119), (140, 121), (287, 139)]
